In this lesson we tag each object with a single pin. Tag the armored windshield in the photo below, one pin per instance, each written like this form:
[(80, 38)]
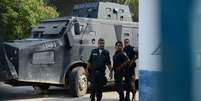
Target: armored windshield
[(49, 29), (89, 10), (45, 36)]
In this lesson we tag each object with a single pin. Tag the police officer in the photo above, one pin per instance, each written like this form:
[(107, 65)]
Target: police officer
[(120, 62), (98, 60), (130, 70)]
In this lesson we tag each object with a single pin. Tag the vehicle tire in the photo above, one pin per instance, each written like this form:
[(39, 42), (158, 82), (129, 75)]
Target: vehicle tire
[(78, 82)]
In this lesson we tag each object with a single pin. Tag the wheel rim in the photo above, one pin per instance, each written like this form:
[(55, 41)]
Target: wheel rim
[(83, 82)]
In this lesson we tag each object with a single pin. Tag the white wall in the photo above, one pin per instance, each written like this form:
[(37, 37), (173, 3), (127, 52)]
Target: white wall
[(149, 36)]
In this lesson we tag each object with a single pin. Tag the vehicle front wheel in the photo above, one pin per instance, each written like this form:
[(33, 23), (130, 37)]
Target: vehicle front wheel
[(78, 82)]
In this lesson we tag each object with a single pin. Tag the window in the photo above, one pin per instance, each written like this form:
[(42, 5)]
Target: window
[(126, 34), (41, 27), (37, 34), (55, 27), (90, 12), (108, 9), (50, 36), (122, 18), (81, 27), (92, 33), (115, 11), (121, 11), (108, 16)]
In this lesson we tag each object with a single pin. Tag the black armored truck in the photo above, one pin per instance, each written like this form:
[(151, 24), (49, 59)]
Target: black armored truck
[(57, 51)]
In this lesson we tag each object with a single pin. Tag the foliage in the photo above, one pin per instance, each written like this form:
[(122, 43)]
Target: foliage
[(19, 16), (134, 7)]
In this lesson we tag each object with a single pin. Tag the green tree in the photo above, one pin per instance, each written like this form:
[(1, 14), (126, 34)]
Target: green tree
[(134, 7), (19, 16)]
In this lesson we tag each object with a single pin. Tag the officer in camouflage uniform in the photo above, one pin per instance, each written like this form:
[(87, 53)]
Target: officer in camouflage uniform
[(98, 61)]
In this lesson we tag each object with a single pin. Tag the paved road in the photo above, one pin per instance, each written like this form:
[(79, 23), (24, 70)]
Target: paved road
[(25, 93)]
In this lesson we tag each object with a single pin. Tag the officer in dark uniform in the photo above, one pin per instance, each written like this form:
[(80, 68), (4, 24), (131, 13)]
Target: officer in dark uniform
[(98, 60), (120, 62), (130, 72)]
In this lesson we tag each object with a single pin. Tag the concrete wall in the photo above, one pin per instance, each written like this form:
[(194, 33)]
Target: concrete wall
[(196, 30), (149, 50)]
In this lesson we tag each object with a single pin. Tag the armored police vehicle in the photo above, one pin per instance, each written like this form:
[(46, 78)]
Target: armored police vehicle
[(58, 49)]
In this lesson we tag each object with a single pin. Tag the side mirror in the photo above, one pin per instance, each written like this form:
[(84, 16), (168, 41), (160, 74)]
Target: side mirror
[(77, 28)]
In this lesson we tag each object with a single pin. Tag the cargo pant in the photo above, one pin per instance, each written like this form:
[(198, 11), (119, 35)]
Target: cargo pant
[(98, 80), (130, 72), (118, 76)]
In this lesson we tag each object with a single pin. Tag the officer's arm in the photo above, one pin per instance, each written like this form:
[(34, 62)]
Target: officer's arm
[(109, 67), (87, 69), (89, 64), (123, 64), (108, 61), (135, 54), (126, 60)]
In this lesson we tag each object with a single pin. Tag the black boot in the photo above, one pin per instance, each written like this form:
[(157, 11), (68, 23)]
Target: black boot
[(121, 97), (99, 99), (92, 96), (92, 99), (127, 98)]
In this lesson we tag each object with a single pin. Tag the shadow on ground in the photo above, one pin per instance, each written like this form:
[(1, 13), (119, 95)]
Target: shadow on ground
[(18, 93), (83, 99)]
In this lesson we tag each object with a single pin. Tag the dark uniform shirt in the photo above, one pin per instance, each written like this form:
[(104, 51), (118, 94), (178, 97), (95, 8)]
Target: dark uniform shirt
[(118, 59), (98, 59), (131, 53)]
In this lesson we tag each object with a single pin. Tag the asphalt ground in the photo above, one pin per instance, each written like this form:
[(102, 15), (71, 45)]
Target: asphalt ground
[(26, 93)]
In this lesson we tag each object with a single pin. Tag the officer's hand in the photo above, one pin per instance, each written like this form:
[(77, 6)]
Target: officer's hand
[(110, 75), (131, 62), (86, 73), (118, 68)]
